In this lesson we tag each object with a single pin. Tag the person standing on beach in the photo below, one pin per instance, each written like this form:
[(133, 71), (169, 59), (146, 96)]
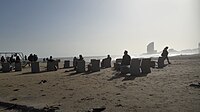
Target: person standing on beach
[(165, 55), (126, 59)]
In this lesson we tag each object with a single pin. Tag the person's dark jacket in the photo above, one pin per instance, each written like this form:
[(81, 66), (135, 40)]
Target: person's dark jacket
[(126, 60)]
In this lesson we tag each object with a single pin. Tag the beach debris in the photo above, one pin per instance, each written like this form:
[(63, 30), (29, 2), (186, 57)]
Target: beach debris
[(22, 85), (150, 94), (97, 109), (103, 98), (87, 98), (63, 97), (195, 85), (70, 89), (15, 89), (43, 95), (42, 81), (118, 94), (118, 105), (13, 99)]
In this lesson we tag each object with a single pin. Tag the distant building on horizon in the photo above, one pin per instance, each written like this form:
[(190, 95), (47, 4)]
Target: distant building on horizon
[(150, 48)]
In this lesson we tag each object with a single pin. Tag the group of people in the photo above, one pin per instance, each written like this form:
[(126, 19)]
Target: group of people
[(103, 63), (12, 59), (75, 59), (32, 58), (127, 59)]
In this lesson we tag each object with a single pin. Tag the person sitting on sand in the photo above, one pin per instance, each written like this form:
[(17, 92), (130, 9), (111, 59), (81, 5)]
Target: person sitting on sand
[(165, 55), (126, 59), (104, 63)]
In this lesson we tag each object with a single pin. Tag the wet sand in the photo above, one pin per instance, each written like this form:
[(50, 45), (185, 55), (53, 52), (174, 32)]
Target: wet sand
[(162, 90)]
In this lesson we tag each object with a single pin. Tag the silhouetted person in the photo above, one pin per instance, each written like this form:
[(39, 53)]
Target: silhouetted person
[(108, 57), (51, 59), (12, 60), (17, 59), (80, 57), (35, 58), (2, 59), (104, 64), (44, 60), (30, 57), (165, 54), (126, 59)]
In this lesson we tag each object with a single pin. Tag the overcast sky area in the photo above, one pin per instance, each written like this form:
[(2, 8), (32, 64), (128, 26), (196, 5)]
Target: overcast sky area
[(97, 27)]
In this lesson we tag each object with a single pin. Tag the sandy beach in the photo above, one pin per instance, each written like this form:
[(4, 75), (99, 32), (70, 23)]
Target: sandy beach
[(162, 90)]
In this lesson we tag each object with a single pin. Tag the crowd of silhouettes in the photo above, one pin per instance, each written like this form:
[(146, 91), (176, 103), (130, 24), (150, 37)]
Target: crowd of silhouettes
[(75, 59), (10, 59), (32, 58)]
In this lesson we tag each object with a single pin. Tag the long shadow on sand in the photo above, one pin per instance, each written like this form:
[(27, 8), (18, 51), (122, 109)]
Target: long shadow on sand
[(77, 73), (30, 73), (126, 77), (83, 73), (74, 73)]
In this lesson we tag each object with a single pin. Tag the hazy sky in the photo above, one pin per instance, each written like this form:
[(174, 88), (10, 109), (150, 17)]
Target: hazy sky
[(97, 27)]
